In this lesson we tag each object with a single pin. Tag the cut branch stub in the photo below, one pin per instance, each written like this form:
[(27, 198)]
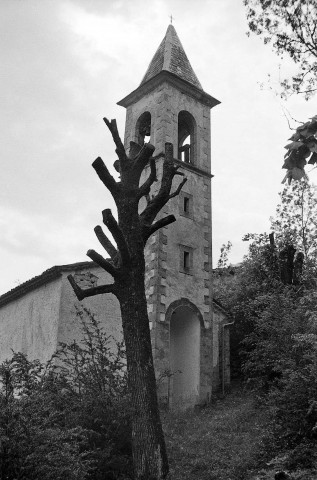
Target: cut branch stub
[(112, 125), (163, 222), (103, 263), (112, 224), (134, 150), (144, 190), (82, 293), (143, 157), (105, 242), (169, 151), (177, 191), (106, 177)]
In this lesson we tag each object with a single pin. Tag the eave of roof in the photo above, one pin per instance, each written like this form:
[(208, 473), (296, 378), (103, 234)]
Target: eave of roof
[(45, 277), (174, 80)]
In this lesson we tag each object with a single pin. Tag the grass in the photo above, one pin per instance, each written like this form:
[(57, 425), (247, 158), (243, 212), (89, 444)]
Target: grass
[(223, 441)]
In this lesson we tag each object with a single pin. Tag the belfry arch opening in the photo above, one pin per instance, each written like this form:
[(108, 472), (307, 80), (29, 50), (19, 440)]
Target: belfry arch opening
[(143, 128), (186, 137), (184, 357)]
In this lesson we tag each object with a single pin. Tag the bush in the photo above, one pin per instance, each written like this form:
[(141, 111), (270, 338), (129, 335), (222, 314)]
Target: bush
[(68, 419), (295, 400)]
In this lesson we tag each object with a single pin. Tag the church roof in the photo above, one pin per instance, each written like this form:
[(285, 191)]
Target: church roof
[(171, 57), (45, 277)]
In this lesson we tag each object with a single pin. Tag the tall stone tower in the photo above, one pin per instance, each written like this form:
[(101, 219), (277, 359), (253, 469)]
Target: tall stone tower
[(171, 106)]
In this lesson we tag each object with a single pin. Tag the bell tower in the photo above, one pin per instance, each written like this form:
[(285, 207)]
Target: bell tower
[(170, 105)]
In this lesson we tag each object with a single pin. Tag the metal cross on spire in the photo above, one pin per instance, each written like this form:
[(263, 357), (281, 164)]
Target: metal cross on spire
[(172, 18)]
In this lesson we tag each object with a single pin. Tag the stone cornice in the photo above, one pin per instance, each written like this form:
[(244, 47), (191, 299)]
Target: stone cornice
[(180, 84)]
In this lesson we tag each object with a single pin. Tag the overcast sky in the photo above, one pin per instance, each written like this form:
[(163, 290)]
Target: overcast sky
[(66, 63)]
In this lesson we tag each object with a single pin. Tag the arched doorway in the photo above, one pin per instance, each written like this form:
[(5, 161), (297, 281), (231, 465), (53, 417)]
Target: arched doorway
[(184, 357)]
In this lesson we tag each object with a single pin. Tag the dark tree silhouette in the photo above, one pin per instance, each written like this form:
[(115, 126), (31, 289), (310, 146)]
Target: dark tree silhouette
[(127, 267)]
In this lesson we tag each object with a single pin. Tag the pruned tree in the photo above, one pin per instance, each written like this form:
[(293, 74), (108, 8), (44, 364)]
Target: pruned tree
[(291, 27), (127, 267)]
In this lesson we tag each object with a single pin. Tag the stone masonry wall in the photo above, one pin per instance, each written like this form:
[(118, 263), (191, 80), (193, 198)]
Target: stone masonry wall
[(165, 282), (105, 307), (164, 105)]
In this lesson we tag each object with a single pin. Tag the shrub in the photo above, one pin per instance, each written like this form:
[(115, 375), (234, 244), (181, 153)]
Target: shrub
[(68, 419)]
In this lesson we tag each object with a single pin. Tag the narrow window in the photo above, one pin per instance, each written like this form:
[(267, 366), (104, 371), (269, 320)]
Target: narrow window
[(186, 137), (186, 259), (186, 205), (186, 264)]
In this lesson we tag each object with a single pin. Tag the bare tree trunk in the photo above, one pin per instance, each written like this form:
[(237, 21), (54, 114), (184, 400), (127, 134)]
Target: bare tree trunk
[(148, 445), (127, 267), (149, 452)]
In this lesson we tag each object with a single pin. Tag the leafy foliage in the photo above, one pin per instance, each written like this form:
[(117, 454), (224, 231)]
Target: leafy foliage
[(274, 339), (301, 151), (279, 318), (224, 254), (290, 26), (279, 351), (68, 419), (35, 442), (240, 288), (295, 221), (295, 400)]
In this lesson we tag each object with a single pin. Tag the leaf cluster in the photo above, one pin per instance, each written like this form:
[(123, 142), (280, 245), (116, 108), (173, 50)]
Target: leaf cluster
[(301, 151)]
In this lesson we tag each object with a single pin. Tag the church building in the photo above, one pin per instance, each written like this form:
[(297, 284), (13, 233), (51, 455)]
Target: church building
[(189, 339)]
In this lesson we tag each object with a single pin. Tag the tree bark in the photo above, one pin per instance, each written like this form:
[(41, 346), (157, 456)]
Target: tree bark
[(148, 445)]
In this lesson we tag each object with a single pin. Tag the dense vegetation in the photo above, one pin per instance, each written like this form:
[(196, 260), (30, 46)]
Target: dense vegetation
[(272, 298), (68, 419)]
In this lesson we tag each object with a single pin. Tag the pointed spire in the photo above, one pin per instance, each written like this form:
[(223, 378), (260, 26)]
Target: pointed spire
[(171, 57)]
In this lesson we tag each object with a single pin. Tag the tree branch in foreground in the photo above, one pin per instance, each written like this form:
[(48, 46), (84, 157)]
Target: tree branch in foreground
[(163, 222), (180, 186), (111, 223), (105, 176), (82, 293), (146, 187), (102, 262), (143, 157), (105, 242), (112, 125)]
